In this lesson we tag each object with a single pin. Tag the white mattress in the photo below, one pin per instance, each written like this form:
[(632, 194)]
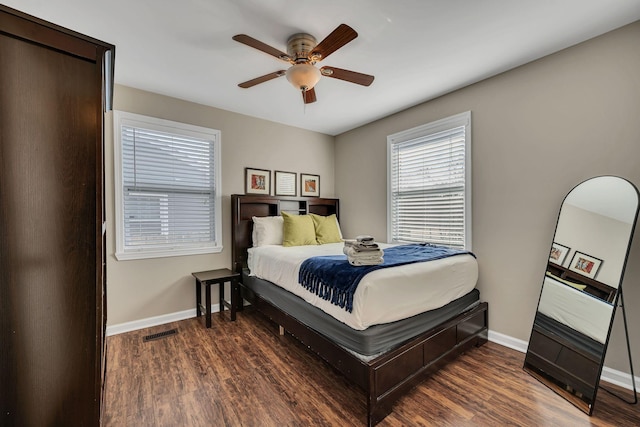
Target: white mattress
[(578, 310), (384, 295)]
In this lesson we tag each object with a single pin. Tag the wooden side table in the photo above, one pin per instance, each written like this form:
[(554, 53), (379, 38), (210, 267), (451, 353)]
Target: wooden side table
[(212, 277)]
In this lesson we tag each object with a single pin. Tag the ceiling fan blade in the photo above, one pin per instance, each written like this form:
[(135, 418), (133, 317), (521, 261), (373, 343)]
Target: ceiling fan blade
[(309, 96), (257, 44), (347, 75), (262, 79), (334, 41)]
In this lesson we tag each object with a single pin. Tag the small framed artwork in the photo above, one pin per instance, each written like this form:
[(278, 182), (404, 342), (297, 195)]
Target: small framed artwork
[(285, 183), (309, 185), (585, 264), (558, 253), (257, 181)]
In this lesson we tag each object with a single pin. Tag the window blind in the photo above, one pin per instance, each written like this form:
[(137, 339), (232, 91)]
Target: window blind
[(168, 184), (427, 189)]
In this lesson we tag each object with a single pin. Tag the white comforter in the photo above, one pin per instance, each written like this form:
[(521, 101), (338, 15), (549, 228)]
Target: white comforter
[(578, 310), (384, 295)]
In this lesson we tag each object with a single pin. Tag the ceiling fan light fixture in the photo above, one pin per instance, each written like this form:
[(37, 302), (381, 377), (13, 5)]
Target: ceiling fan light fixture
[(303, 76)]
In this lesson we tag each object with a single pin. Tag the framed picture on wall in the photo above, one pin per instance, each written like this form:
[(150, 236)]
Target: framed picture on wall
[(558, 253), (309, 185), (585, 264), (257, 181), (285, 183)]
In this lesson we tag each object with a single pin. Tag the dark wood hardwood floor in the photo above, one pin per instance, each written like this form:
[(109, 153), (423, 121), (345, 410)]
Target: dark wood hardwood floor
[(245, 374)]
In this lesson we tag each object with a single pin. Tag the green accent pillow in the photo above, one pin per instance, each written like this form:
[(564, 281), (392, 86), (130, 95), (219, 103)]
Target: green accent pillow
[(578, 286), (298, 230), (327, 229)]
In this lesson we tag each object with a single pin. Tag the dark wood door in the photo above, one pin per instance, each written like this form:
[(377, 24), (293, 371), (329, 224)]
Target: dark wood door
[(50, 227)]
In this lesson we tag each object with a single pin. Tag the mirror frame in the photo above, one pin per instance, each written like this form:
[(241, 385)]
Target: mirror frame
[(578, 399)]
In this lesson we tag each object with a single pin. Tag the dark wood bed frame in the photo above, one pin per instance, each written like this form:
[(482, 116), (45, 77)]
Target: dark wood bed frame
[(387, 377)]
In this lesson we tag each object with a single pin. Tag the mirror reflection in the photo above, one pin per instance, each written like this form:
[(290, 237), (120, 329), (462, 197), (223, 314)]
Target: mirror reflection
[(594, 226), (580, 287)]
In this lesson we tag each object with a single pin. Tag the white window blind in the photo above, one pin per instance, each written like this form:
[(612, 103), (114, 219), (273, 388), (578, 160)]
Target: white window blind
[(428, 186), (169, 190)]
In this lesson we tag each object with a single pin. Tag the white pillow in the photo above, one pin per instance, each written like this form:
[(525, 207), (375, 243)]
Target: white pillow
[(267, 230)]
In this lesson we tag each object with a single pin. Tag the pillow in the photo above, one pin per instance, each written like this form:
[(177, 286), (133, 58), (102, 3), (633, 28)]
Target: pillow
[(267, 230), (327, 229), (298, 230)]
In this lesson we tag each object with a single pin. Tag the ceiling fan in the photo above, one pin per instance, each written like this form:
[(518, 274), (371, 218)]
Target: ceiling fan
[(303, 52)]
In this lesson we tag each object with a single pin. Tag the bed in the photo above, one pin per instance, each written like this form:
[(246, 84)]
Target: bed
[(580, 311), (385, 360)]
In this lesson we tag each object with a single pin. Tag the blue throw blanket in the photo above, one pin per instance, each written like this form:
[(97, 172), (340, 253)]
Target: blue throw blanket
[(334, 279)]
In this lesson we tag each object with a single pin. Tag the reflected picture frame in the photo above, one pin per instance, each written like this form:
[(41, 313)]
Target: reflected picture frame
[(558, 253), (285, 183), (309, 185), (584, 264), (257, 181)]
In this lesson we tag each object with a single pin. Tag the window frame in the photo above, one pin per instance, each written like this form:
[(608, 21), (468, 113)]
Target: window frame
[(458, 120), (121, 118)]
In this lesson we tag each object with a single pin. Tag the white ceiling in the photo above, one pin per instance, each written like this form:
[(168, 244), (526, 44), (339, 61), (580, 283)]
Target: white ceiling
[(608, 196), (416, 49)]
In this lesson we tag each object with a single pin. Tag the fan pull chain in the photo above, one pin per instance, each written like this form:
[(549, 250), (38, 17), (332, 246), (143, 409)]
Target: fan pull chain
[(304, 103)]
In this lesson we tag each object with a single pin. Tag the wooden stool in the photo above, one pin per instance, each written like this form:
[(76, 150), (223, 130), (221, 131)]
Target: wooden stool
[(212, 277)]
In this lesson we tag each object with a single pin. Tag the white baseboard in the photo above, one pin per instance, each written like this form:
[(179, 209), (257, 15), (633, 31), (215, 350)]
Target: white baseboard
[(609, 375), (155, 321), (508, 341), (619, 378)]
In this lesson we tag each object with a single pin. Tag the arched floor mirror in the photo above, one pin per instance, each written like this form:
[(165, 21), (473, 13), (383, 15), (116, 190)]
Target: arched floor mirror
[(581, 288)]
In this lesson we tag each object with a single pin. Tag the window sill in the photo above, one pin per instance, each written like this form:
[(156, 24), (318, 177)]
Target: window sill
[(133, 255)]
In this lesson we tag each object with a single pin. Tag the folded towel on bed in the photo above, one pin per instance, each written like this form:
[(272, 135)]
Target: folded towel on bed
[(363, 251), (365, 238), (334, 279), (354, 251), (372, 246), (358, 259)]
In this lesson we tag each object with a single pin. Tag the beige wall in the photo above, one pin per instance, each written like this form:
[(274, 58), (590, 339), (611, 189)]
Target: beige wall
[(146, 288), (537, 131)]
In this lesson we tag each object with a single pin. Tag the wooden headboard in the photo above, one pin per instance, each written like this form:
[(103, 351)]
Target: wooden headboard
[(244, 208)]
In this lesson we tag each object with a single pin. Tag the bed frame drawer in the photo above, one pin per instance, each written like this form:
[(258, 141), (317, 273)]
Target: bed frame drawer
[(472, 326), (439, 344), (544, 347), (426, 352), (581, 367), (397, 369)]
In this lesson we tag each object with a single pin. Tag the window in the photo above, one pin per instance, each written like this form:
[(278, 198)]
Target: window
[(429, 183), (167, 188)]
